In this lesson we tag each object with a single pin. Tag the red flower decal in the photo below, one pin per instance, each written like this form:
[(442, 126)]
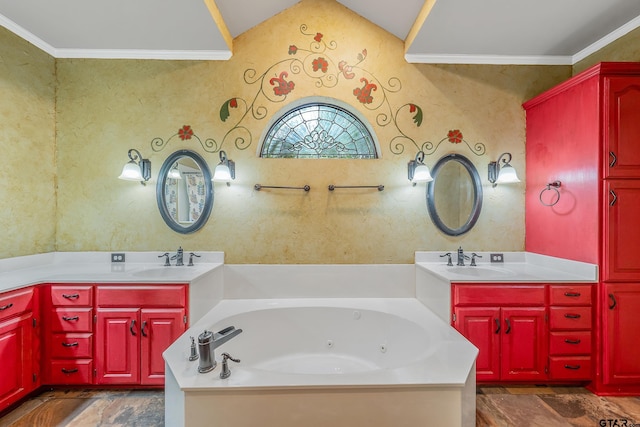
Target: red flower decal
[(283, 87), (455, 136), (185, 132), (318, 37), (346, 70), (412, 108), (320, 64), (233, 103), (364, 93), (293, 49)]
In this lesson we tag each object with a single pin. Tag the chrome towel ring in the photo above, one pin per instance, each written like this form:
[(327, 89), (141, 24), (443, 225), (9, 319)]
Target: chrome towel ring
[(551, 186)]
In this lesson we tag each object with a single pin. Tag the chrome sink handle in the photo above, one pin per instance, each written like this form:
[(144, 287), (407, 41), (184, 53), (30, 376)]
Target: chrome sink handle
[(449, 262), (166, 259), (473, 258), (191, 255)]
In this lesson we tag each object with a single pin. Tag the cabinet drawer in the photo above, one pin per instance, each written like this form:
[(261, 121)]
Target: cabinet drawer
[(499, 295), (569, 342), (71, 296), (72, 320), (569, 318), (141, 296), (73, 371), (570, 368), (15, 302), (569, 295), (69, 346)]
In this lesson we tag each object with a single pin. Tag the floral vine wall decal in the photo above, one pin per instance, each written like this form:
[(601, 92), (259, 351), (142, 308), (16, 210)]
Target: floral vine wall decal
[(454, 137), (317, 64), (184, 133)]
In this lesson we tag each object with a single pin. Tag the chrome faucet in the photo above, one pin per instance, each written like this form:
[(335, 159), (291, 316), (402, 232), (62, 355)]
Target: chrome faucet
[(179, 257), (208, 342), (166, 259), (461, 257)]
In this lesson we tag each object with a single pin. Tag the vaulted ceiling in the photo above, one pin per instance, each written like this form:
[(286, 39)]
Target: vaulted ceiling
[(434, 31)]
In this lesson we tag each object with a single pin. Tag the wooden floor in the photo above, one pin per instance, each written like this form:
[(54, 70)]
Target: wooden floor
[(496, 406)]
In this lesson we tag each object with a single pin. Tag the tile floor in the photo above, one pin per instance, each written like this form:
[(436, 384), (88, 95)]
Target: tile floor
[(496, 407)]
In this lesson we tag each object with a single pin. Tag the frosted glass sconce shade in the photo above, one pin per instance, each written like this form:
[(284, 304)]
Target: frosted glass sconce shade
[(417, 171), (225, 170), (137, 168), (504, 174)]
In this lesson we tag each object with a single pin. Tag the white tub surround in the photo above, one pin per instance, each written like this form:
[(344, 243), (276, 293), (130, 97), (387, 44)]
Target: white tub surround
[(434, 276), (348, 358), (204, 278)]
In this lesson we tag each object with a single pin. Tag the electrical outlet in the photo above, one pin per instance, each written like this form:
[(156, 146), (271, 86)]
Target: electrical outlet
[(496, 257), (117, 257)]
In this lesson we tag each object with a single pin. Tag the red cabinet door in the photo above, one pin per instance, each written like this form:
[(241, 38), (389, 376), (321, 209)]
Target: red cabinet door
[(118, 346), (524, 344), (622, 152), (621, 334), (622, 233), (16, 350), (482, 326), (159, 328)]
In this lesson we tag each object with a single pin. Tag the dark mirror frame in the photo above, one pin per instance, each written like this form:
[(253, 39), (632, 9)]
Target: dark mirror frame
[(162, 179), (477, 195)]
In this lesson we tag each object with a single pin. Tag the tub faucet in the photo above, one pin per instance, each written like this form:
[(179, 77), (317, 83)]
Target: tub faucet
[(461, 257), (179, 257)]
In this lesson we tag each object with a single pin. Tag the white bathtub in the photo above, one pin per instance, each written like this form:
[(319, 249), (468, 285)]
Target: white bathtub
[(318, 362)]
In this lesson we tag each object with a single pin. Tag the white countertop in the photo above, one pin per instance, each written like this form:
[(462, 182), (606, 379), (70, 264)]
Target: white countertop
[(517, 267), (95, 267)]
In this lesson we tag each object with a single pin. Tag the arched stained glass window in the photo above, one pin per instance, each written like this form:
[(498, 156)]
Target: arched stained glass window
[(321, 130)]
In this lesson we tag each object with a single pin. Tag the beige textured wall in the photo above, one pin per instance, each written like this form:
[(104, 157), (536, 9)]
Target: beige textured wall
[(626, 48), (27, 144), (105, 107)]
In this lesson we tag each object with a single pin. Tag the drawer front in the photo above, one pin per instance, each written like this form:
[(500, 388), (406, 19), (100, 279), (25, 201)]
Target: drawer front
[(570, 318), (71, 296), (569, 295), (141, 296), (15, 302), (69, 346), (72, 320), (73, 371), (569, 343), (570, 368), (502, 295)]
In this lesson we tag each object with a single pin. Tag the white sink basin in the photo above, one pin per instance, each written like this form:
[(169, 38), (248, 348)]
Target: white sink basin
[(479, 271), (156, 272)]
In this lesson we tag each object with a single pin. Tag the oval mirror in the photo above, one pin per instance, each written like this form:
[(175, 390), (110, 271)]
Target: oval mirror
[(184, 191), (454, 197)]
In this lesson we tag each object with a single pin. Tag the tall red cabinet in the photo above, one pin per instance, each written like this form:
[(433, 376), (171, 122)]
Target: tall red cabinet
[(585, 133)]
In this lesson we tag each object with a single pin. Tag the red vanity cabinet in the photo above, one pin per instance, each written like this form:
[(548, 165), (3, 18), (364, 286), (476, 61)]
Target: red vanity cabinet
[(621, 330), (570, 332), (135, 324), (507, 324), (585, 133), (69, 334), (19, 344)]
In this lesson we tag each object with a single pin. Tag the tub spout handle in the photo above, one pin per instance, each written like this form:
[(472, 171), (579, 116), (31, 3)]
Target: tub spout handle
[(224, 335), (226, 372)]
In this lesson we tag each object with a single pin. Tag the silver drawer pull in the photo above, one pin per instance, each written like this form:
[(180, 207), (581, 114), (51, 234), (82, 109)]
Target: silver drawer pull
[(69, 371), (70, 319), (70, 344), (71, 296), (572, 316), (568, 341), (572, 294), (4, 307), (574, 367)]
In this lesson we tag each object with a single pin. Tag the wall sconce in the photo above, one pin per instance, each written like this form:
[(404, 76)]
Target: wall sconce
[(137, 168), (174, 172), (504, 174), (417, 171), (225, 170)]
